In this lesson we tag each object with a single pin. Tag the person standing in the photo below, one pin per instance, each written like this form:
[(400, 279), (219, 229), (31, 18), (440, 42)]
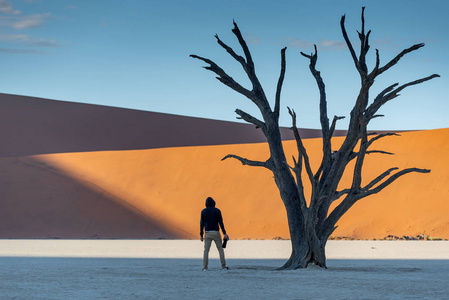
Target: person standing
[(211, 222)]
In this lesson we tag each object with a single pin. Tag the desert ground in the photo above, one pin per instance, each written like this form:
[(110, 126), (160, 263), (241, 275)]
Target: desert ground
[(171, 269)]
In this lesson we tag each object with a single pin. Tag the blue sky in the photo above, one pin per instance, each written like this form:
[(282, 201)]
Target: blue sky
[(135, 54)]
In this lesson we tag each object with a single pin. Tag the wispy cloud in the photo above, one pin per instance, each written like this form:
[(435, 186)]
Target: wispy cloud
[(14, 37), (44, 43), (298, 43), (30, 21), (330, 45), (385, 42), (26, 40), (16, 20), (324, 44), (253, 40), (21, 51), (6, 8)]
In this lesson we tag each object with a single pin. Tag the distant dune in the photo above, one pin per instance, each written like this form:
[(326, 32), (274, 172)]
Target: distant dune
[(40, 126), (72, 170)]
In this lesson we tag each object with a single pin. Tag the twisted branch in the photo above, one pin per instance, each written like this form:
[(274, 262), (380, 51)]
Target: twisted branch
[(301, 148), (225, 78), (250, 119), (247, 162), (390, 93), (390, 180), (327, 146), (322, 89)]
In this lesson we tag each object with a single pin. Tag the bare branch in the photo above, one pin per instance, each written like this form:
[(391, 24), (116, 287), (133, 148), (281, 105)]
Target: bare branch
[(238, 58), (327, 145), (249, 60), (379, 152), (260, 98), (297, 170), (379, 178), (352, 197), (334, 123), (279, 86), (225, 78), (398, 57), (373, 73), (364, 46), (355, 154), (324, 120), (250, 119), (377, 116), (248, 162), (340, 194), (301, 147), (357, 176), (348, 42), (257, 94), (418, 81), (390, 180), (379, 136), (385, 91), (390, 93)]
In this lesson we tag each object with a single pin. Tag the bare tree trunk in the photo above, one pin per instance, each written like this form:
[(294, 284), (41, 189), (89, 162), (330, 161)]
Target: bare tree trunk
[(300, 247), (306, 247)]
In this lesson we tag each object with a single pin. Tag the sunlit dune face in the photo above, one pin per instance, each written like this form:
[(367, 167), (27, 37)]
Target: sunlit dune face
[(170, 185)]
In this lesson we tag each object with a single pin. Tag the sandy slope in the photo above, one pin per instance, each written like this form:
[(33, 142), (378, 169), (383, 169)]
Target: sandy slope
[(129, 190), (170, 185)]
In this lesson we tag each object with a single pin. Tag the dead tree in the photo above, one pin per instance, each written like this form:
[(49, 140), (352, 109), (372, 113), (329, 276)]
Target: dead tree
[(310, 220)]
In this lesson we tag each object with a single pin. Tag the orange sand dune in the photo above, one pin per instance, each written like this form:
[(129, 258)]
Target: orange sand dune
[(169, 186), (127, 192)]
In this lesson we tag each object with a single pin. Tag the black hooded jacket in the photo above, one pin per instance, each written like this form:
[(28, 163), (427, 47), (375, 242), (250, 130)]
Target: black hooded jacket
[(211, 218)]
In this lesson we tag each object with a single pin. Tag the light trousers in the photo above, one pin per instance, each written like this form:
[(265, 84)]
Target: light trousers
[(208, 238)]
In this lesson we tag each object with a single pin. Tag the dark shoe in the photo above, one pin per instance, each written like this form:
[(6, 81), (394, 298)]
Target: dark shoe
[(225, 268)]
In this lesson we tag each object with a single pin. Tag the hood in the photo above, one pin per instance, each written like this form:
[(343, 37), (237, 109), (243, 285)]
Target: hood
[(210, 202)]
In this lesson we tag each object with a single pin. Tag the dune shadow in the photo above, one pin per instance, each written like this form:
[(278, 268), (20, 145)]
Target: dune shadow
[(31, 126), (40, 201)]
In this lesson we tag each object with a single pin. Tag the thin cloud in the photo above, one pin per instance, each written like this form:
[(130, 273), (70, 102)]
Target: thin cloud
[(24, 39), (325, 45), (20, 51), (6, 8), (253, 40), (30, 21), (44, 43), (330, 45), (14, 37), (298, 43), (385, 42), (22, 43)]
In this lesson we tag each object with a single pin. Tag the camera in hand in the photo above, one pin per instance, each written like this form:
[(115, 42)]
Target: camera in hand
[(225, 241)]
